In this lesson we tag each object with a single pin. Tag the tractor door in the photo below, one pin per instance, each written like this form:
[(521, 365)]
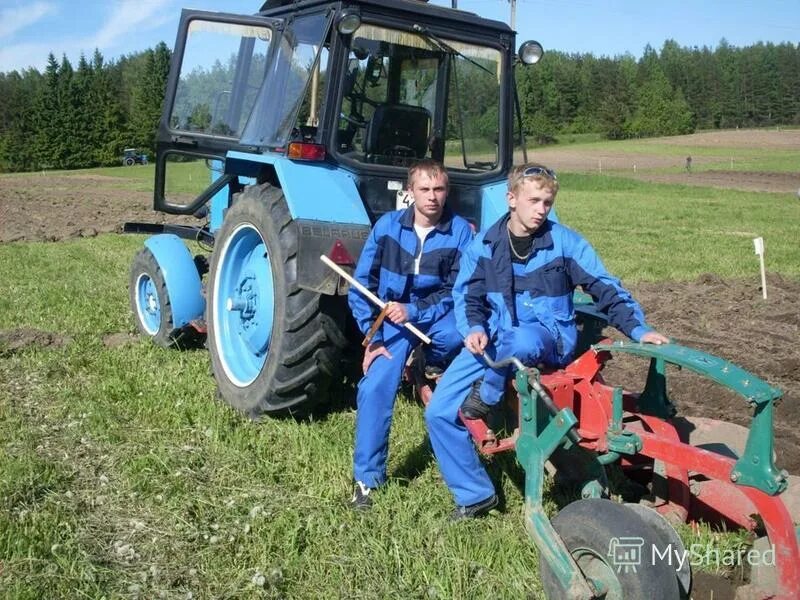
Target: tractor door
[(218, 66)]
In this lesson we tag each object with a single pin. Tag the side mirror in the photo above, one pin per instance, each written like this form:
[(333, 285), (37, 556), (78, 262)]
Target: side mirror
[(374, 70)]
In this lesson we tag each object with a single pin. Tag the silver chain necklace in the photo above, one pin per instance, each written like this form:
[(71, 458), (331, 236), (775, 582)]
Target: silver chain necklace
[(514, 252)]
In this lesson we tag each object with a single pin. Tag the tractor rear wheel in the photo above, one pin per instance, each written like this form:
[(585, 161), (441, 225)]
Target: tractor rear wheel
[(613, 548), (150, 301), (275, 346)]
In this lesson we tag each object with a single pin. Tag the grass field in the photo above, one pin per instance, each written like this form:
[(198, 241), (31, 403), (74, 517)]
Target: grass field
[(121, 476), (649, 232)]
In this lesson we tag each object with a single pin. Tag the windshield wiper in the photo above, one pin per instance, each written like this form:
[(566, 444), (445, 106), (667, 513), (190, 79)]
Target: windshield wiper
[(435, 40)]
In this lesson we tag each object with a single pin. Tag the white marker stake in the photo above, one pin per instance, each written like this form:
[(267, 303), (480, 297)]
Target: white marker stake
[(759, 246), (370, 296)]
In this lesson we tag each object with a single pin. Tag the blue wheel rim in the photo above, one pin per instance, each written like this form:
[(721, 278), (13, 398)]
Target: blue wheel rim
[(244, 307), (148, 308)]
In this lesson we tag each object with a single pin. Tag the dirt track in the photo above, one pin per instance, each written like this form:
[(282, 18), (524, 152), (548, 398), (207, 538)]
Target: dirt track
[(723, 317)]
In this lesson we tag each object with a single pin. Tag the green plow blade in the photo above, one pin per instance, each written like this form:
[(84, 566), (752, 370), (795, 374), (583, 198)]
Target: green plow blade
[(753, 389)]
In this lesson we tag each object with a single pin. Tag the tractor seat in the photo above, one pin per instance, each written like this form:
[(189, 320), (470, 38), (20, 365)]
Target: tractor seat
[(397, 131)]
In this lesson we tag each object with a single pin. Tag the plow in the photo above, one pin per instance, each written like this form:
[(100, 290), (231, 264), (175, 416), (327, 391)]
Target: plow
[(575, 425)]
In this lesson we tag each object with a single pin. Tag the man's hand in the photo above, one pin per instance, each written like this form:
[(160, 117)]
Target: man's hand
[(653, 337), (397, 312), (476, 342), (372, 352)]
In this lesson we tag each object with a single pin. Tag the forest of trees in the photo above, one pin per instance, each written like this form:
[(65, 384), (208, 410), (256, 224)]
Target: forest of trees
[(67, 117), (671, 92), (78, 117)]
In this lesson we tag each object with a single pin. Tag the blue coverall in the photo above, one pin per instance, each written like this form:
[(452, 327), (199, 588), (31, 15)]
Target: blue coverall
[(386, 267), (526, 310)]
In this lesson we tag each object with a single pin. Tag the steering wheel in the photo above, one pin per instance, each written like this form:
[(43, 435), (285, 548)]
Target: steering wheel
[(400, 152), (352, 120)]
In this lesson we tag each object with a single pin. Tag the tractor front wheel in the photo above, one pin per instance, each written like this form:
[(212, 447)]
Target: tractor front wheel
[(150, 301), (274, 345), (614, 549)]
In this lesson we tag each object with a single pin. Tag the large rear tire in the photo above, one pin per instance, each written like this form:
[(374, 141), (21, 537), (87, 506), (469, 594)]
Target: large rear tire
[(587, 528), (275, 347)]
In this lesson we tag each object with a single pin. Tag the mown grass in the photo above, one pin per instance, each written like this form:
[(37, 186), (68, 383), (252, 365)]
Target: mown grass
[(715, 156), (651, 232), (121, 476)]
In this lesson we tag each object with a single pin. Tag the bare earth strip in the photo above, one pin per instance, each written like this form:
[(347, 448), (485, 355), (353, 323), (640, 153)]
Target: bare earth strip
[(36, 207)]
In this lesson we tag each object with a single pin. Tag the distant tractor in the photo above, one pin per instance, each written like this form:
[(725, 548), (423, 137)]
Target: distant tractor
[(131, 156)]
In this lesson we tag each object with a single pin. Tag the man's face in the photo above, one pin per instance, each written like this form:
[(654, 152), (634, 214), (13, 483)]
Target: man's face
[(530, 204), (429, 195)]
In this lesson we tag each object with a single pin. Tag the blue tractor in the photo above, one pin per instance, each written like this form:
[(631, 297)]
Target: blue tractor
[(306, 116), (131, 156)]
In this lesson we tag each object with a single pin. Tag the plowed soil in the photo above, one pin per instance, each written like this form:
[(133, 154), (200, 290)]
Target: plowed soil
[(47, 207), (730, 319)]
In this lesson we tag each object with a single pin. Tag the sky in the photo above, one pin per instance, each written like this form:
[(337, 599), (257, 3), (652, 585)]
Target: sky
[(30, 29)]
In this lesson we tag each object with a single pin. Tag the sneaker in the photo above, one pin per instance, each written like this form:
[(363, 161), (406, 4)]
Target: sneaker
[(473, 407), (433, 372), (473, 511), (361, 499)]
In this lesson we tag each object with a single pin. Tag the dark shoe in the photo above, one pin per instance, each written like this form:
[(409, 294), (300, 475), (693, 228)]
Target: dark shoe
[(473, 407), (473, 511), (433, 372), (361, 499)]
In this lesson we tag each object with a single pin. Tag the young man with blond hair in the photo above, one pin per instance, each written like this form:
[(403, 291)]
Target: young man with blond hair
[(410, 261), (513, 297)]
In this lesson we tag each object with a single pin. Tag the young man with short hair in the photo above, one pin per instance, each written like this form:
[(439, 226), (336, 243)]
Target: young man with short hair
[(513, 297), (410, 260)]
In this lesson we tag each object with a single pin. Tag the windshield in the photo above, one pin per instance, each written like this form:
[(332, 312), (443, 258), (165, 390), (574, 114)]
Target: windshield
[(299, 57), (222, 68), (414, 95)]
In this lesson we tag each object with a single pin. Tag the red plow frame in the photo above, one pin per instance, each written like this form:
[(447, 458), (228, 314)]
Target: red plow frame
[(642, 434)]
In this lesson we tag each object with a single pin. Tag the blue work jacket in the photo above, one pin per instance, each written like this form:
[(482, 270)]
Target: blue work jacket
[(386, 267), (492, 295)]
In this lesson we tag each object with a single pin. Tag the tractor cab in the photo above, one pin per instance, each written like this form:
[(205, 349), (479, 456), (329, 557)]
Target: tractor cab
[(288, 133), (363, 87)]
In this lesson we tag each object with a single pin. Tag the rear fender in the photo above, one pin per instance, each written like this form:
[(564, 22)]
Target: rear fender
[(180, 276), (325, 205), (313, 190), (220, 202)]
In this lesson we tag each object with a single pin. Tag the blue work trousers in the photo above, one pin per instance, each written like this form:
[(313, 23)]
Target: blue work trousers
[(458, 460), (378, 388)]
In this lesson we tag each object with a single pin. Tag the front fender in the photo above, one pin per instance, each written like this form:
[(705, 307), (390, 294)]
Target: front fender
[(184, 287)]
